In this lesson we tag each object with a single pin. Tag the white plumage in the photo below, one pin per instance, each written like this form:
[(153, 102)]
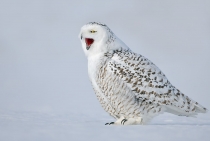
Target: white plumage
[(128, 85)]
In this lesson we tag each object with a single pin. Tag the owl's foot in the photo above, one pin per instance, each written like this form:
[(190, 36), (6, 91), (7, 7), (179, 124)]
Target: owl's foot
[(123, 121), (109, 123), (128, 121)]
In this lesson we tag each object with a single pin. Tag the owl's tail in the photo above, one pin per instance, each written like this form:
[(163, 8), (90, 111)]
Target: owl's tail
[(199, 108), (191, 109)]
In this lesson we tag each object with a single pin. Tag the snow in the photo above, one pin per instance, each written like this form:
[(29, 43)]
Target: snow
[(45, 93), (18, 126)]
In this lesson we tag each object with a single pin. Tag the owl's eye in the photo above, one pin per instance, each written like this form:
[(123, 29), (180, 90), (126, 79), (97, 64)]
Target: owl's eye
[(93, 31)]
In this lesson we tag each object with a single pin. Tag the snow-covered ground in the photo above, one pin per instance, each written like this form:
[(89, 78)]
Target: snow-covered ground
[(34, 126), (45, 93)]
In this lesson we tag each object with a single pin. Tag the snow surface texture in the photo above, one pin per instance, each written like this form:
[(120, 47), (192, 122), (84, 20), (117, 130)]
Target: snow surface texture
[(45, 93), (17, 126)]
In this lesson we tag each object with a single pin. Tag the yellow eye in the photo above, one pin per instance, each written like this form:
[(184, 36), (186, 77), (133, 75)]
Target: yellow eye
[(93, 31)]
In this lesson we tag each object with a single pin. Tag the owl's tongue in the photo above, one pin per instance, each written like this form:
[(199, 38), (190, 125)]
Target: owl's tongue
[(89, 42)]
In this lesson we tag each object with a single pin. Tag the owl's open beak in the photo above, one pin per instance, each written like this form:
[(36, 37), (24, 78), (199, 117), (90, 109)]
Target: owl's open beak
[(88, 42)]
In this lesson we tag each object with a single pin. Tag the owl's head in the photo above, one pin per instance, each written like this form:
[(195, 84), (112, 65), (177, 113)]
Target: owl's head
[(97, 38)]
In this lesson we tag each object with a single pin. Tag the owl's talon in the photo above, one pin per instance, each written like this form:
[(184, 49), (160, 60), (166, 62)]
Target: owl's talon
[(111, 123), (123, 121)]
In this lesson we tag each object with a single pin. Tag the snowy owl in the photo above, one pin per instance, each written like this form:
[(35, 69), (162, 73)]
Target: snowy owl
[(129, 87)]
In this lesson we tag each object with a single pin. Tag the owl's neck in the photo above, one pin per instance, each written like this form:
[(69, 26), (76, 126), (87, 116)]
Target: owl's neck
[(94, 63)]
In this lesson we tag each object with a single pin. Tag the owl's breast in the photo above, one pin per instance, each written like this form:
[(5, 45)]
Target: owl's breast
[(116, 92)]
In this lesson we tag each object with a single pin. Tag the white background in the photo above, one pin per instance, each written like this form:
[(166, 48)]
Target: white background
[(45, 93)]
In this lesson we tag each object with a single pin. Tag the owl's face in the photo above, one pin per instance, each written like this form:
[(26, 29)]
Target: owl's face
[(97, 38), (93, 38)]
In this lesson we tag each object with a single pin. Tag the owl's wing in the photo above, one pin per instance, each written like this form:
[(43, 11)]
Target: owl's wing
[(149, 84)]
